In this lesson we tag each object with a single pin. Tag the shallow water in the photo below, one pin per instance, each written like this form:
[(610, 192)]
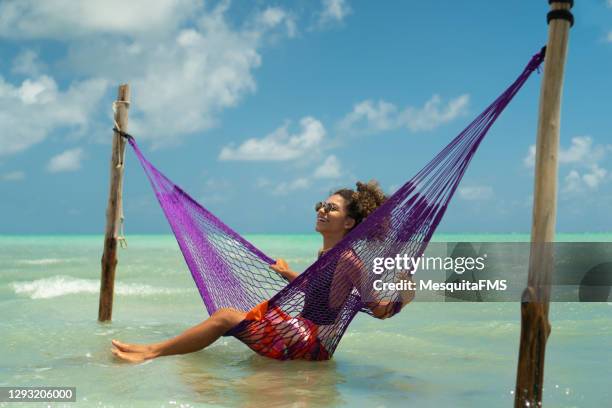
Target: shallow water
[(431, 355)]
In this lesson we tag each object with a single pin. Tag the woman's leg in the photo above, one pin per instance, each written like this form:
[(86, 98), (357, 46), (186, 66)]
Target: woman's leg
[(193, 339)]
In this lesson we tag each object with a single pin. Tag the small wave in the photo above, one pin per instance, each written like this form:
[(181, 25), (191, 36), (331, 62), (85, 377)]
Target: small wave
[(44, 261), (66, 285)]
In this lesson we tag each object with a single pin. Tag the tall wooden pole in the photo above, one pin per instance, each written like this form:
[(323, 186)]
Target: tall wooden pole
[(535, 327), (114, 209)]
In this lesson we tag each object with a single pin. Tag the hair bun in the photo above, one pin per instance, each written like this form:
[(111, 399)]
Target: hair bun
[(369, 196), (363, 201)]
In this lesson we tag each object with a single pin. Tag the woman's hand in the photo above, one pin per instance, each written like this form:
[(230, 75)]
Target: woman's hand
[(282, 268), (406, 295), (385, 308)]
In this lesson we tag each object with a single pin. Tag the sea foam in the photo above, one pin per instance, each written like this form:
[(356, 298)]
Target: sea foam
[(43, 261), (66, 285)]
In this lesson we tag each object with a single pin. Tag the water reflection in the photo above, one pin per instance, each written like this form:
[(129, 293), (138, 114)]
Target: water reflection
[(248, 380)]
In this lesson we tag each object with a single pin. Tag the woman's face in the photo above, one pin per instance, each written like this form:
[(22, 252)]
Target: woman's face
[(332, 217)]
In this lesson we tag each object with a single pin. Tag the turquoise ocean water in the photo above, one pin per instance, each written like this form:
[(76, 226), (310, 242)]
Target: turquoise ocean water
[(431, 355)]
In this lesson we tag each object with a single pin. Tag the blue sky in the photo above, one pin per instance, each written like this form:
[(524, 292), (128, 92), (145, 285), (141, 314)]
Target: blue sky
[(260, 109)]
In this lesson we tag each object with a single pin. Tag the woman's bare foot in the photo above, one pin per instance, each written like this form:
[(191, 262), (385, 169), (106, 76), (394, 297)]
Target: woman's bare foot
[(133, 357), (193, 339), (130, 347), (133, 352)]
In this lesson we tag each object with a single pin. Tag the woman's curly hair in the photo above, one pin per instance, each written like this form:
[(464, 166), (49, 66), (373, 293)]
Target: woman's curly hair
[(363, 201)]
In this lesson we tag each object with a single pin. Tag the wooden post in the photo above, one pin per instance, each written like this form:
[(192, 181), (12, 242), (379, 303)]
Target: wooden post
[(535, 327), (114, 208)]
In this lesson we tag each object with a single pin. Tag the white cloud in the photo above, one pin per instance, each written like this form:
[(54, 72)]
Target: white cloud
[(432, 114), (330, 168), (334, 11), (28, 63), (31, 111), (379, 116), (275, 16), (529, 159), (473, 193), (262, 182), (279, 145), (584, 157), (13, 176), (181, 83), (185, 62), (581, 151), (595, 177), (576, 182), (70, 160), (371, 117), (66, 19), (284, 188), (609, 37), (217, 190)]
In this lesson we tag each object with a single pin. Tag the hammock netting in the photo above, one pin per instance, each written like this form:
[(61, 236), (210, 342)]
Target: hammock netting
[(306, 318)]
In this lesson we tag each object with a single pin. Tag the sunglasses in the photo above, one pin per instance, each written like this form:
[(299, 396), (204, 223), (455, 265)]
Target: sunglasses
[(327, 207)]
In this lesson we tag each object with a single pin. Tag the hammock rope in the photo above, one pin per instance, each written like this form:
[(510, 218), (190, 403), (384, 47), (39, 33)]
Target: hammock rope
[(306, 318)]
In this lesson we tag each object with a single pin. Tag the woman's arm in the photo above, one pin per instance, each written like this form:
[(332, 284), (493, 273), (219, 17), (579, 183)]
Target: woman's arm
[(380, 309), (282, 268), (387, 308)]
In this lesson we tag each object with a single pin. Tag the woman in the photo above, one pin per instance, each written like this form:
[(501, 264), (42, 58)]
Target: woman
[(338, 215)]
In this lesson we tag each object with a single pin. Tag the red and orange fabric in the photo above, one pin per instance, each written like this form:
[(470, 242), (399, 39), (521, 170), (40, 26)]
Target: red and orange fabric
[(271, 332)]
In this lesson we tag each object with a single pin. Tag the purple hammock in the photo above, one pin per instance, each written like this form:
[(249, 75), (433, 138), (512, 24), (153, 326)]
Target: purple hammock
[(305, 319)]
